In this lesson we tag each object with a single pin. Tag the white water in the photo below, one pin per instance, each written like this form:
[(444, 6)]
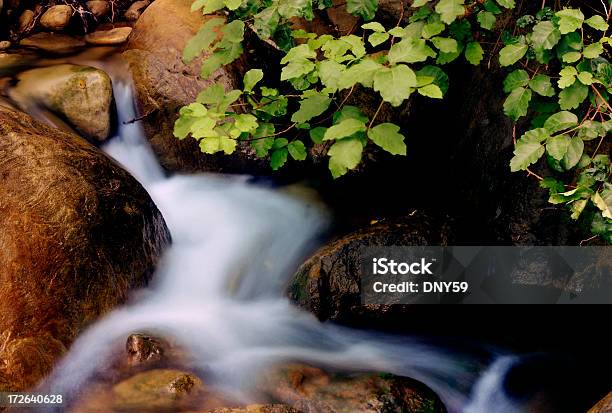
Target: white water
[(219, 291)]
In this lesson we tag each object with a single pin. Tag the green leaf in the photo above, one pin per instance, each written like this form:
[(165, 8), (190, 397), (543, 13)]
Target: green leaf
[(310, 107), (527, 151), (539, 134), (518, 78), (211, 6), (317, 134), (445, 44), (234, 31), (561, 121), (509, 4), (517, 103), (431, 91), (542, 85), (278, 158), (297, 150), (577, 207), (378, 38), (545, 35), (387, 136), (512, 53), (245, 122), (202, 40), (450, 9), (251, 78), (585, 78), (432, 29), (299, 53), (266, 22), (263, 141), (567, 77), (571, 97), (570, 20), (597, 22), (572, 57), (410, 50), (362, 72), (366, 9), (374, 26), (440, 78), (344, 154), (232, 4), (395, 84), (573, 154), (602, 205), (344, 129), (593, 50), (486, 19), (557, 146), (474, 53)]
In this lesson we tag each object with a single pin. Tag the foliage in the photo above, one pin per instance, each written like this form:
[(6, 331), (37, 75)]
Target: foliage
[(558, 77)]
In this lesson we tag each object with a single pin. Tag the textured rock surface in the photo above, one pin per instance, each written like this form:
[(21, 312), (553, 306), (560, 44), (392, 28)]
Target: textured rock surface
[(56, 18), (604, 406), (109, 37), (81, 95), (78, 234)]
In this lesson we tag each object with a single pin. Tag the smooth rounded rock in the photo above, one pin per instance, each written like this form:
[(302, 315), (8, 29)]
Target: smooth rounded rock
[(56, 18), (52, 43), (109, 37)]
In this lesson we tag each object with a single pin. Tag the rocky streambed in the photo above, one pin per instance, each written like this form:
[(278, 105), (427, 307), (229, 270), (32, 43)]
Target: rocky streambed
[(80, 236)]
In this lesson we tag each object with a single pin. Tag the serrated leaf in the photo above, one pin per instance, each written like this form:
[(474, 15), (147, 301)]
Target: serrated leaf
[(362, 72), (570, 20), (431, 91), (278, 158), (232, 4), (542, 85), (486, 19), (571, 57), (345, 128), (297, 150), (374, 26), (245, 122), (317, 134), (597, 22), (585, 78), (366, 9), (251, 78), (449, 10), (445, 44), (378, 38), (344, 154), (593, 50), (202, 40), (545, 35), (512, 53), (573, 154), (561, 121), (387, 136), (517, 103), (410, 50), (527, 151), (440, 77), (509, 4), (432, 29), (518, 78), (395, 84), (557, 146), (572, 96), (474, 53), (310, 107)]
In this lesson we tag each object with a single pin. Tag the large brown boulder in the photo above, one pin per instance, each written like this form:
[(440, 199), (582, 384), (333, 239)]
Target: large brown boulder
[(604, 406), (78, 234), (163, 84)]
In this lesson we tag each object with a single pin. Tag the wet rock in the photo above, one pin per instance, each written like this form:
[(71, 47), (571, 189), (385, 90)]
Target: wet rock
[(99, 8), (329, 283), (53, 43), (26, 21), (78, 235), (604, 406), (108, 37), (82, 95), (56, 18), (163, 84), (310, 389), (256, 408), (142, 348), (135, 10), (5, 44), (12, 62)]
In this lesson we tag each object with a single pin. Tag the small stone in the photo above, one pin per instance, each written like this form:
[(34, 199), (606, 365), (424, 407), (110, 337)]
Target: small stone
[(52, 43), (109, 37), (26, 20), (135, 10), (56, 18), (142, 348), (99, 8), (5, 45)]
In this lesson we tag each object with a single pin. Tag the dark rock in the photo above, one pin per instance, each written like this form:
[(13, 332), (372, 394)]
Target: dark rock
[(53, 43), (78, 235), (143, 348)]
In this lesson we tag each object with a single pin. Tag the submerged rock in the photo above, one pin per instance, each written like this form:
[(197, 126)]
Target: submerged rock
[(53, 43), (99, 8), (163, 84), (108, 37), (56, 18), (81, 95), (310, 389), (78, 235)]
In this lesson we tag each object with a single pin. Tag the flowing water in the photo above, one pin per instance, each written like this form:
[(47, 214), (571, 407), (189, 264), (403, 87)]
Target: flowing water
[(219, 292)]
